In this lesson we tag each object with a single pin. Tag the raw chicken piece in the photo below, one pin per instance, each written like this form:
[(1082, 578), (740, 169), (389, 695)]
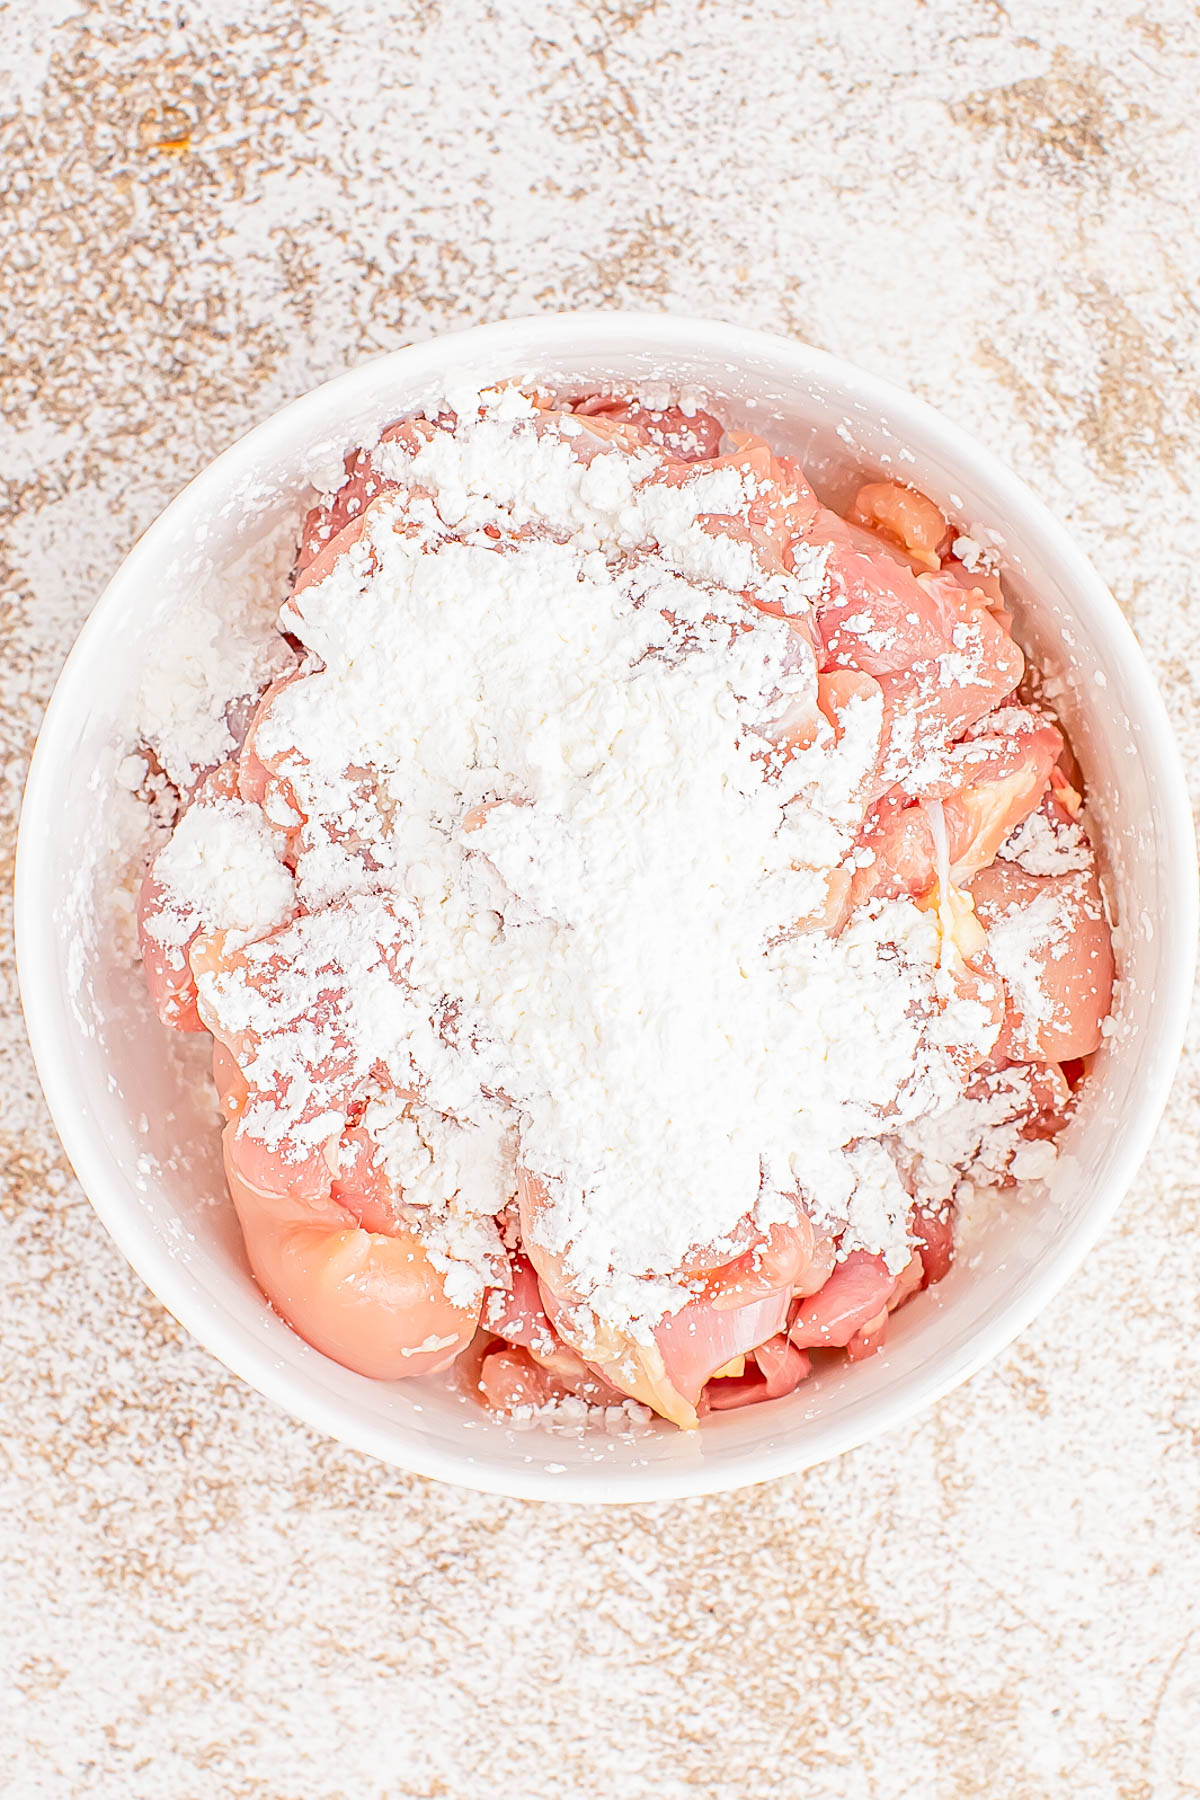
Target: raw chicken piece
[(906, 517), (692, 437), (700, 1339), (1051, 945), (772, 1370), (987, 784), (371, 1300), (856, 1291), (941, 660)]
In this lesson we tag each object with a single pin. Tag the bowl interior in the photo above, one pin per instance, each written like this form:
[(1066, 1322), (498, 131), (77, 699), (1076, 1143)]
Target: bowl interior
[(132, 1101)]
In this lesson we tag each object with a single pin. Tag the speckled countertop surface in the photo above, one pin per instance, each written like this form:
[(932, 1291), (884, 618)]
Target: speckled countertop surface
[(212, 206)]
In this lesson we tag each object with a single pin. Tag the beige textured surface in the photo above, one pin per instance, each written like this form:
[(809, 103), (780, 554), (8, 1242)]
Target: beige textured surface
[(211, 207)]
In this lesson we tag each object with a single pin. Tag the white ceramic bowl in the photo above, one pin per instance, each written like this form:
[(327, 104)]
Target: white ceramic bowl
[(141, 1136)]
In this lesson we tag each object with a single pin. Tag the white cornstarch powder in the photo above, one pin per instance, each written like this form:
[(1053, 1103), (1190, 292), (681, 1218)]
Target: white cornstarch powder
[(220, 647), (980, 1139), (222, 867), (558, 880), (1041, 847)]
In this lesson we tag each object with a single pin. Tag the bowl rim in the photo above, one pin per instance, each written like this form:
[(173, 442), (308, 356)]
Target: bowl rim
[(38, 952)]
